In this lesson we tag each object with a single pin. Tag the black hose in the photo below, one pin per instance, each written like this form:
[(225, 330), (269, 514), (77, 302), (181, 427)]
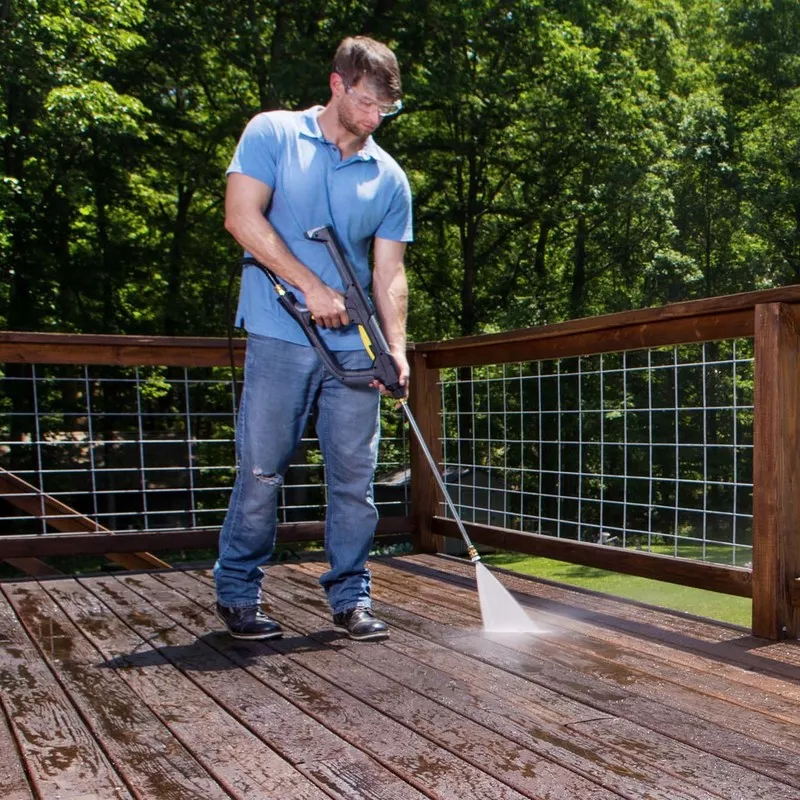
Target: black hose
[(229, 318)]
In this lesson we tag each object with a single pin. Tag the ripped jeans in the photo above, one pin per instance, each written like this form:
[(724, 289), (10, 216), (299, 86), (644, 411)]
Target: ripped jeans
[(284, 385)]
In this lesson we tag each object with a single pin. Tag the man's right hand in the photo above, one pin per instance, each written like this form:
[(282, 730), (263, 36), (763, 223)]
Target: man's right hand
[(326, 306)]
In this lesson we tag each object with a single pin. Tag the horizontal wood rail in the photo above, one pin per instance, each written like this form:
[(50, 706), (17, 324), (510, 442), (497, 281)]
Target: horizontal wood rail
[(707, 320), (679, 323), (390, 530), (126, 351)]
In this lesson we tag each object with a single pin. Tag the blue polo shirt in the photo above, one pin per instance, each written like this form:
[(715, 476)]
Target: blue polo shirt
[(367, 195)]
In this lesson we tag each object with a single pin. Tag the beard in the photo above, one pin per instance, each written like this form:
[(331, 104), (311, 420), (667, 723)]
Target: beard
[(348, 122)]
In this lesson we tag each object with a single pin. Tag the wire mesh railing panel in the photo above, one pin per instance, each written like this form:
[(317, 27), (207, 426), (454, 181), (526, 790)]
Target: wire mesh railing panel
[(149, 448), (647, 449)]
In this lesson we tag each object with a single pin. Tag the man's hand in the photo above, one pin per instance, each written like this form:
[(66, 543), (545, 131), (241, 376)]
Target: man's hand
[(326, 306), (404, 373)]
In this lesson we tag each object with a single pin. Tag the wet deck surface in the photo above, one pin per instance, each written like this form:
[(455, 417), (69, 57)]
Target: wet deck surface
[(122, 686)]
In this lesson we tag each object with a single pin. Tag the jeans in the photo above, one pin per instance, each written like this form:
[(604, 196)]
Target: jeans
[(284, 384)]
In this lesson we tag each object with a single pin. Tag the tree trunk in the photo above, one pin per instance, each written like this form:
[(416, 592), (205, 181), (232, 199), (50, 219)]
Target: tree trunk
[(173, 308), (270, 99), (107, 265), (579, 268), (708, 238), (578, 287), (469, 241), (259, 54), (539, 264)]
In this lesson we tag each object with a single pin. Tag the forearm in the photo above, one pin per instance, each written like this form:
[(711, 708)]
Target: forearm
[(390, 292)]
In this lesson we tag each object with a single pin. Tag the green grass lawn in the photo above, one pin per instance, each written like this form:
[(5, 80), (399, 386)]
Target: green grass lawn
[(724, 607)]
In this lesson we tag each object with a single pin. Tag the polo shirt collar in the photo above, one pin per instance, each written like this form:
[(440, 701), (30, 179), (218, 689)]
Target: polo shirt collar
[(309, 126)]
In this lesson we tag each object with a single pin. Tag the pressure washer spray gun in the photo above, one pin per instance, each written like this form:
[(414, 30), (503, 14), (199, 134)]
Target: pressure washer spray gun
[(383, 368)]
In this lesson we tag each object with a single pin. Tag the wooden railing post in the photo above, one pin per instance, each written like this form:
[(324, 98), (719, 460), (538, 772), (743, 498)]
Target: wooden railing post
[(425, 404), (776, 471)]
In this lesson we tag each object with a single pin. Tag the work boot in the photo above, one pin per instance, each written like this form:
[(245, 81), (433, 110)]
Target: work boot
[(360, 623), (249, 622)]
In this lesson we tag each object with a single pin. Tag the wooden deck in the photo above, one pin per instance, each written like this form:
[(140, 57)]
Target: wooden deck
[(122, 686)]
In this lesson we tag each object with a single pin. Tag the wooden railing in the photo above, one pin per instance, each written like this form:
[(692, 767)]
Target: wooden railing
[(771, 317), (80, 535)]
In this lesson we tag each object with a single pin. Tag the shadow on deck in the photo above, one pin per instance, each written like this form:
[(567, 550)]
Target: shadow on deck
[(121, 686)]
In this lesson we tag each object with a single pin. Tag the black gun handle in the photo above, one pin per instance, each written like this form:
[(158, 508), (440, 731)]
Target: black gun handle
[(386, 372), (303, 317), (361, 311)]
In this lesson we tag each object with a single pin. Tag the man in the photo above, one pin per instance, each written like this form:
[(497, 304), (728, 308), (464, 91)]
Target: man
[(291, 172)]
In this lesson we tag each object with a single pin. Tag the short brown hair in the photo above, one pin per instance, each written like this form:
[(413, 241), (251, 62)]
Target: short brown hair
[(360, 57)]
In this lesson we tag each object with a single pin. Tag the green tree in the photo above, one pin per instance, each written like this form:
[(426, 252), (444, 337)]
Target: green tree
[(66, 136)]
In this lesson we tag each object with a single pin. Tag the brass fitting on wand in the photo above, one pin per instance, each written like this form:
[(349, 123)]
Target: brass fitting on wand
[(473, 554)]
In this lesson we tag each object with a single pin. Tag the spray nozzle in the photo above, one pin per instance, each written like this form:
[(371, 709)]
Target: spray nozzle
[(473, 555)]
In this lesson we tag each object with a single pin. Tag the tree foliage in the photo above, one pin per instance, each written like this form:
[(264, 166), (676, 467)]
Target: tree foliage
[(567, 157)]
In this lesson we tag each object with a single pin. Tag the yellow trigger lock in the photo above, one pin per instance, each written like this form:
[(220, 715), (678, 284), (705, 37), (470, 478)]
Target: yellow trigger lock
[(367, 342)]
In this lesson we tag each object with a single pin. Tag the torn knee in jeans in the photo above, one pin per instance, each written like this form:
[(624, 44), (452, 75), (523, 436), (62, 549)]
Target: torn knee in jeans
[(270, 478)]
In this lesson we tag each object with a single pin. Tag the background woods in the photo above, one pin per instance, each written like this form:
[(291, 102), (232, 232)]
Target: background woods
[(568, 158)]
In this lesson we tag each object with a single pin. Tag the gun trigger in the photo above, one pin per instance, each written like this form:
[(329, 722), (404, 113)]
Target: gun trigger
[(367, 341)]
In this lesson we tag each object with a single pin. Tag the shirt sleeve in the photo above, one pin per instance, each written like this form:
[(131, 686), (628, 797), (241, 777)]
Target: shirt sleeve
[(397, 225), (257, 151)]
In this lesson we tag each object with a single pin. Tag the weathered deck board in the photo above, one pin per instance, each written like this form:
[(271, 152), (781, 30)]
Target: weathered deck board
[(724, 669), (602, 746), (638, 664), (401, 750), (233, 755), (13, 783), (152, 761), (582, 674), (726, 644), (124, 686), (576, 675), (60, 754), (525, 715), (326, 759), (520, 767)]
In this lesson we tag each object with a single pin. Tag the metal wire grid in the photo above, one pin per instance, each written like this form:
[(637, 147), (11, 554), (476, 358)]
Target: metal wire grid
[(650, 449), (151, 449)]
